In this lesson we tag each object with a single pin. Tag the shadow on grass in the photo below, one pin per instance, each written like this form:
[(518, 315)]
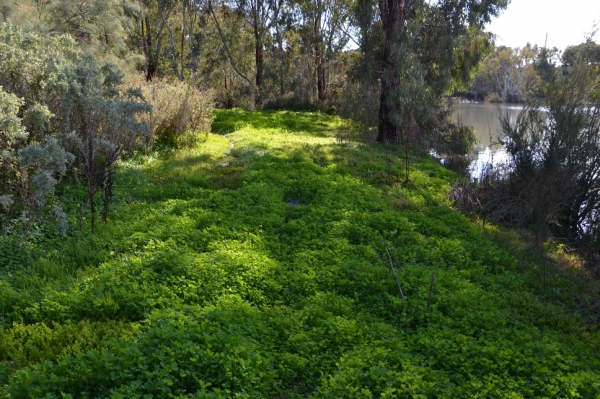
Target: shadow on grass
[(312, 123), (305, 233), (423, 201)]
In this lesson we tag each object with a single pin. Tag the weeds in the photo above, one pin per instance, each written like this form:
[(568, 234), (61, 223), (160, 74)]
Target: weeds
[(256, 273)]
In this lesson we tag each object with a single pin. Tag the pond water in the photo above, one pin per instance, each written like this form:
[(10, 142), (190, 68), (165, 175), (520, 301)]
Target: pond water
[(484, 117)]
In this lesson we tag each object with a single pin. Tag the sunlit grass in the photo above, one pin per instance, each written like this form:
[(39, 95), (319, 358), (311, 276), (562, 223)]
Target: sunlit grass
[(257, 262)]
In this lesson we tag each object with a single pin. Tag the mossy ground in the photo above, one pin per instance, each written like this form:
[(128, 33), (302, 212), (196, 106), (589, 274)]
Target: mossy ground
[(255, 265)]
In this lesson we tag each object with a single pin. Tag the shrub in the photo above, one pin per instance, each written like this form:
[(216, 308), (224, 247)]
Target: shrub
[(494, 98), (454, 141), (104, 124), (180, 110), (360, 103), (59, 106), (35, 343), (551, 183), (28, 173)]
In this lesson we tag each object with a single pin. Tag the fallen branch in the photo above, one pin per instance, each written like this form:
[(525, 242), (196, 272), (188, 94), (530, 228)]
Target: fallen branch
[(394, 270)]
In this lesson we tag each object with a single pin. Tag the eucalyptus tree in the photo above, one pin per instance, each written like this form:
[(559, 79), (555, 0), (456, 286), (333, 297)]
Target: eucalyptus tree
[(545, 64), (223, 12), (261, 16), (181, 24), (588, 51), (323, 25), (514, 72), (150, 33), (192, 18), (424, 48)]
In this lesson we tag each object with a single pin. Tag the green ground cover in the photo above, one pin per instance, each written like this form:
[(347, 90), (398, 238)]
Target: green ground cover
[(255, 266)]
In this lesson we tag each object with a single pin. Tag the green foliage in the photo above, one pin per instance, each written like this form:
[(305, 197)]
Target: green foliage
[(423, 50), (456, 139), (34, 343), (453, 141), (27, 173), (31, 68), (72, 110), (32, 161), (551, 183), (588, 52), (105, 123), (180, 111), (99, 27), (254, 265), (514, 74)]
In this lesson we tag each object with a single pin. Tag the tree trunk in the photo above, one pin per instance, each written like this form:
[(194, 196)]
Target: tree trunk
[(388, 131), (282, 60), (151, 62), (182, 76), (108, 193), (319, 57), (393, 17), (259, 58), (321, 88)]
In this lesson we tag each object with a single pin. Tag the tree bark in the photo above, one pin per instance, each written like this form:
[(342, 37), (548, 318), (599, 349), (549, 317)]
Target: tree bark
[(152, 48), (393, 17), (151, 63), (319, 58), (151, 59), (281, 62), (183, 41), (259, 59), (321, 88)]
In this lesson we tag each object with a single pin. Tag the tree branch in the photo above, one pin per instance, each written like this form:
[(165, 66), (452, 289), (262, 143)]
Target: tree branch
[(394, 270), (227, 50)]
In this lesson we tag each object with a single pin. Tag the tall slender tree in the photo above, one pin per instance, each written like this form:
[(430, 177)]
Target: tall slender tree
[(322, 25), (261, 16), (423, 52), (152, 23)]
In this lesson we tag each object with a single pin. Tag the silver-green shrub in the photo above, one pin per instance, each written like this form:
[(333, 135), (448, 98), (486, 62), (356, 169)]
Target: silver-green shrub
[(63, 113), (28, 173)]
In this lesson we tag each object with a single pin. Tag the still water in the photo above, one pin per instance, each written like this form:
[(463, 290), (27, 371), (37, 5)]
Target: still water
[(484, 117)]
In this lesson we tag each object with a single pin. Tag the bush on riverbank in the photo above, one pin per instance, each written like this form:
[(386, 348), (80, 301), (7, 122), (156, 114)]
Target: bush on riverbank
[(551, 183)]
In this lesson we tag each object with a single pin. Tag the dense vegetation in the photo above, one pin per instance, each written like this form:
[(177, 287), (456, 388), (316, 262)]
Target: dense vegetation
[(284, 254), (257, 264), (551, 181), (73, 101), (65, 114), (293, 54)]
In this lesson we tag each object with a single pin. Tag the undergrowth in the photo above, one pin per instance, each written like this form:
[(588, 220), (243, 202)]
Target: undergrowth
[(256, 265)]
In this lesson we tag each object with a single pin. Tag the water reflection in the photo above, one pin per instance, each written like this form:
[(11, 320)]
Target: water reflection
[(485, 119), (487, 156)]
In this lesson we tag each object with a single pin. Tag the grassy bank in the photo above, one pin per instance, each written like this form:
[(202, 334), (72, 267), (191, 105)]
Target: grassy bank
[(257, 265)]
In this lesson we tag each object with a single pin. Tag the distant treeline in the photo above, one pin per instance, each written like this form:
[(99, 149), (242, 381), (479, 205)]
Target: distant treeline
[(516, 75), (332, 55)]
